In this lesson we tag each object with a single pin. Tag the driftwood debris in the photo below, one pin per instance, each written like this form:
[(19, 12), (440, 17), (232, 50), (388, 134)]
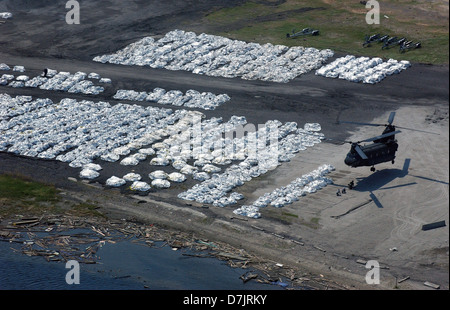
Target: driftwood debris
[(248, 276), (432, 285), (67, 237)]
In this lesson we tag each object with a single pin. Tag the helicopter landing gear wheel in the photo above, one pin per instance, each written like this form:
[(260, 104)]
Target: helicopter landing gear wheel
[(372, 169), (393, 161)]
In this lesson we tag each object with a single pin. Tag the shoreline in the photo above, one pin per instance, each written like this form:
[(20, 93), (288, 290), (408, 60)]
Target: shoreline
[(51, 234)]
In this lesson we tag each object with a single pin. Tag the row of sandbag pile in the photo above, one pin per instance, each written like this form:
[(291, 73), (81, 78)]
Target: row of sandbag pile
[(191, 99), (79, 132), (54, 80), (219, 56), (362, 69), (159, 180), (260, 158), (280, 197)]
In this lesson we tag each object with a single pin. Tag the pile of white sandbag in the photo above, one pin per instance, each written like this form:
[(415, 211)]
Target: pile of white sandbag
[(258, 159), (54, 80), (306, 184), (5, 15), (221, 155), (191, 99), (218, 56), (79, 132), (362, 69), (72, 83)]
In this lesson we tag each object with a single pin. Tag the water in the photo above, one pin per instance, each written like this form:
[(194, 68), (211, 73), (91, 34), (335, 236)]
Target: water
[(124, 266)]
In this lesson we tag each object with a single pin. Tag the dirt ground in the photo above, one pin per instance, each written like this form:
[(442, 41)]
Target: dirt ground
[(380, 219)]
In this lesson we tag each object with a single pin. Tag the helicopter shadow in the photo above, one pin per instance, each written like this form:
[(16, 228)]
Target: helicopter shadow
[(381, 178)]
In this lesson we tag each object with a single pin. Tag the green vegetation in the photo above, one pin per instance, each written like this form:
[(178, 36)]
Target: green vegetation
[(19, 195), (22, 196), (19, 188), (342, 26)]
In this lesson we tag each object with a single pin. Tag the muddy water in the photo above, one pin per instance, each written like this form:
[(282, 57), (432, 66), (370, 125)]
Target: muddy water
[(124, 266)]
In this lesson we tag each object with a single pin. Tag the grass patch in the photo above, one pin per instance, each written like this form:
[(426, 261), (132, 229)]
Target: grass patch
[(19, 188), (342, 27), (18, 195), (22, 196)]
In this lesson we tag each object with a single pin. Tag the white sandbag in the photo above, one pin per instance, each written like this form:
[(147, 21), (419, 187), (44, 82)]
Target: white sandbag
[(147, 151), (129, 161), (16, 84), (200, 176), (5, 15), (140, 186), (178, 164), (132, 177), (176, 177), (22, 78), (94, 75), (312, 127), (159, 183), (111, 157), (8, 77), (93, 166), (158, 174), (188, 169), (19, 68), (211, 168), (4, 67), (115, 181), (89, 174), (160, 161)]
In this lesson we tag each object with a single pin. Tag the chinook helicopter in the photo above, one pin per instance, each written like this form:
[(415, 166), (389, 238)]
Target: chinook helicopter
[(382, 149)]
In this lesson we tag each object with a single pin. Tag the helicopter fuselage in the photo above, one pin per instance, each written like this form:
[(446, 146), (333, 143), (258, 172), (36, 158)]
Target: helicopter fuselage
[(376, 153)]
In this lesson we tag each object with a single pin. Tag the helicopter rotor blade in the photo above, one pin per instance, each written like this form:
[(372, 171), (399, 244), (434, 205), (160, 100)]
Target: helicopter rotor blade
[(360, 152), (381, 136), (391, 118), (433, 133), (358, 123)]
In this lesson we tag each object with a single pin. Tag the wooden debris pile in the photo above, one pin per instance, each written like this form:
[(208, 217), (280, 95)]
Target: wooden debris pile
[(64, 238)]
